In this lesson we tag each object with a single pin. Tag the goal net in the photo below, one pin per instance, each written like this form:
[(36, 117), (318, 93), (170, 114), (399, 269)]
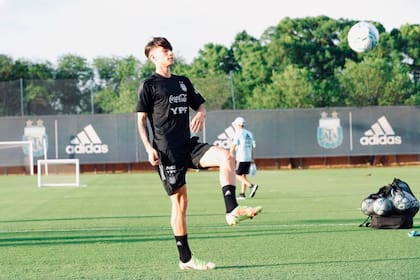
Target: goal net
[(16, 157), (58, 172)]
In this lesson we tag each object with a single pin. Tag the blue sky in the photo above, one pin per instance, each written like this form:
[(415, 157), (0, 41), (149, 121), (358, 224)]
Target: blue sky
[(47, 29)]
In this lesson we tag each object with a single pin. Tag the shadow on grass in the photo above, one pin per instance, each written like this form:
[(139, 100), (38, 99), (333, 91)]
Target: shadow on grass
[(363, 261), (80, 239), (98, 218), (157, 234), (69, 237), (82, 219)]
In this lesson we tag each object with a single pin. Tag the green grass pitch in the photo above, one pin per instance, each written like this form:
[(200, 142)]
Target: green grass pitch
[(117, 227)]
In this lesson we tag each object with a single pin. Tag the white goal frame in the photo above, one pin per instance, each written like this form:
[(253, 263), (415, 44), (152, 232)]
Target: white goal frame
[(45, 162), (30, 151)]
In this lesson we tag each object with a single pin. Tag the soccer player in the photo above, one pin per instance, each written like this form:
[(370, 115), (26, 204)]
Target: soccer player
[(243, 147), (164, 100)]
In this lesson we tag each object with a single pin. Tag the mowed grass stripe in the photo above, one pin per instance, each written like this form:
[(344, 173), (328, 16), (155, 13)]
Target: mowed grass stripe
[(118, 228)]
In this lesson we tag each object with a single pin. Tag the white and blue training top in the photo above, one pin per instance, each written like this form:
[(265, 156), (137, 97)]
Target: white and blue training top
[(244, 142)]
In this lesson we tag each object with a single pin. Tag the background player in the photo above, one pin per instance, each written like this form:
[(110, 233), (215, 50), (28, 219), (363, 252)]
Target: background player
[(243, 148)]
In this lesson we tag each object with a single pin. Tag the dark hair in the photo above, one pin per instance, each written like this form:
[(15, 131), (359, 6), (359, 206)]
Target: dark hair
[(157, 42)]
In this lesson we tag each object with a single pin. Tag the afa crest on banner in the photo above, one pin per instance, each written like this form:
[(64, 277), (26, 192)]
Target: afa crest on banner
[(330, 132), (37, 135)]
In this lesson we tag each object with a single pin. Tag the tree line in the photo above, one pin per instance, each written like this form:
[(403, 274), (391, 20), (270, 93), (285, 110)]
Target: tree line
[(299, 63)]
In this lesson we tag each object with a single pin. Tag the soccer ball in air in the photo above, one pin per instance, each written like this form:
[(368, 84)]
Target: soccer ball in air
[(363, 37), (382, 206)]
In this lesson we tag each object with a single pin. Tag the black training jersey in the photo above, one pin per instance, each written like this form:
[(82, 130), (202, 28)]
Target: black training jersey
[(166, 102)]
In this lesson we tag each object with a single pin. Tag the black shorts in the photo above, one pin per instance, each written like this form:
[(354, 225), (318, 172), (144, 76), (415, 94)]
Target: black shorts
[(173, 175), (242, 168)]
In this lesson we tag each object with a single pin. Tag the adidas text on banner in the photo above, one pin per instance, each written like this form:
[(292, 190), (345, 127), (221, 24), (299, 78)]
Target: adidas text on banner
[(380, 133), (87, 141)]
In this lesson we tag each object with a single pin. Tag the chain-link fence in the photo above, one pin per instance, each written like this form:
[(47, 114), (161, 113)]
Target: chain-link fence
[(11, 101), (56, 97), (45, 97)]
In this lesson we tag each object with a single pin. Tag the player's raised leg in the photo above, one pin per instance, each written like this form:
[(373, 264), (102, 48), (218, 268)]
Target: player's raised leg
[(217, 156)]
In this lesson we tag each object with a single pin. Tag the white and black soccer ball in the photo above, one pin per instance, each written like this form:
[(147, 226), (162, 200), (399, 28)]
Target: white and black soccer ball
[(367, 206), (397, 200), (404, 201), (383, 206), (363, 37)]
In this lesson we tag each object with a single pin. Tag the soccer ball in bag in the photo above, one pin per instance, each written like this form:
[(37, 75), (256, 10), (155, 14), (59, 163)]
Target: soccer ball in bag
[(405, 202), (382, 206), (367, 206), (363, 37)]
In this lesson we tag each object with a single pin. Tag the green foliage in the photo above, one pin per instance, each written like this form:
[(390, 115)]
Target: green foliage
[(6, 66), (289, 89), (298, 63), (316, 43), (216, 90), (213, 59), (408, 43), (374, 81), (254, 69), (119, 78), (40, 97), (127, 98)]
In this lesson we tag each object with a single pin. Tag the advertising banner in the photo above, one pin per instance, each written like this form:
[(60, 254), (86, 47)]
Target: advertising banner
[(320, 132), (323, 132), (90, 138)]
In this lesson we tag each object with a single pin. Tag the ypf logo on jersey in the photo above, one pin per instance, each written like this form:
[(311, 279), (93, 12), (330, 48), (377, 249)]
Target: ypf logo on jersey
[(380, 133), (330, 132), (86, 142)]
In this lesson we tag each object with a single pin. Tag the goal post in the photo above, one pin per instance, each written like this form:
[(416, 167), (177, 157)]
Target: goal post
[(58, 172), (17, 154)]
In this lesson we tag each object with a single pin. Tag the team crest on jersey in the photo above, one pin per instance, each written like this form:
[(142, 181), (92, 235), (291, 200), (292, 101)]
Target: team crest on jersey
[(182, 86), (330, 132)]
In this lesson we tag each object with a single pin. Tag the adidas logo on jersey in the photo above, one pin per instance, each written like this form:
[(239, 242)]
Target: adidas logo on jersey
[(380, 133), (86, 142), (224, 140)]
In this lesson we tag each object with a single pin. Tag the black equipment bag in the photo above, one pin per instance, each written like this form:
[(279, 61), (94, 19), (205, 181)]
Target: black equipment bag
[(390, 222), (401, 216)]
